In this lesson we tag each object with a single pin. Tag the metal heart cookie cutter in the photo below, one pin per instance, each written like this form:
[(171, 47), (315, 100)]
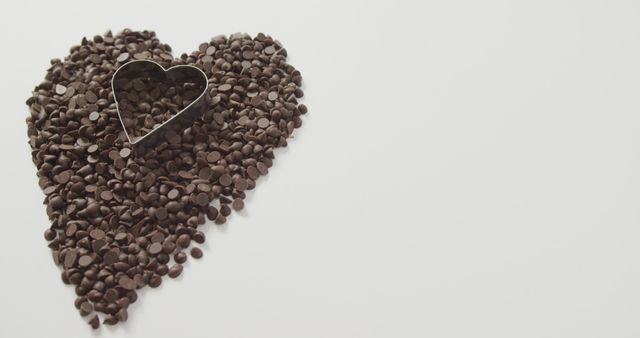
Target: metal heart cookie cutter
[(140, 80)]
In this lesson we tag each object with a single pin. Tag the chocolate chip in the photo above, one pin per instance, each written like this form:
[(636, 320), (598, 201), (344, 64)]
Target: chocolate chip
[(94, 322), (111, 295), (205, 173), (85, 261), (198, 237), (212, 212), (125, 152), (202, 199), (161, 213), (175, 270), (60, 89), (123, 57), (157, 237), (127, 283), (168, 246), (122, 315), (97, 233), (110, 257), (196, 253), (120, 237), (213, 157), (240, 184), (237, 204), (155, 281), (110, 320), (262, 168), (184, 240), (263, 122), (269, 50), (173, 206), (49, 235), (94, 116), (225, 180), (155, 248), (106, 195), (173, 194), (70, 258), (90, 97), (180, 257), (86, 308)]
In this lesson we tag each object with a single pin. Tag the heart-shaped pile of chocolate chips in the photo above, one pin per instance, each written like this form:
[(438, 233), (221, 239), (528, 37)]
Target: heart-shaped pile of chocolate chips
[(122, 216)]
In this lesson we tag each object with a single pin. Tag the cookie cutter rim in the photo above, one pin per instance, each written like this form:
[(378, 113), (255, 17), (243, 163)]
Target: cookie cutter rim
[(190, 106)]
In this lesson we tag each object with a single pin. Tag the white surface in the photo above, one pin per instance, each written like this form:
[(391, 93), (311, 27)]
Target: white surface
[(467, 169)]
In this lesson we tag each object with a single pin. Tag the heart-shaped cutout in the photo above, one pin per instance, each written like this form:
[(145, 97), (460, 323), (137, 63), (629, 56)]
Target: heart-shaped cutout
[(149, 98), (121, 220)]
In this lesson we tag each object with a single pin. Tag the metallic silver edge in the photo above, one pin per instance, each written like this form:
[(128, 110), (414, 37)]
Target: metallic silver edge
[(204, 92)]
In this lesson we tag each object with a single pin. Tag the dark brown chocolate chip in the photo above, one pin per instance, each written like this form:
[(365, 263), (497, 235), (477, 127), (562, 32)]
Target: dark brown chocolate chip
[(122, 315), (86, 308), (173, 194), (269, 50), (111, 295), (173, 206), (202, 199), (60, 89), (199, 237), (96, 233), (205, 173), (253, 173), (180, 257), (225, 87), (90, 97), (157, 237), (85, 261), (49, 235), (120, 237), (168, 246), (263, 123), (127, 283), (106, 195), (262, 168), (225, 180), (110, 257), (123, 57), (241, 184), (70, 258), (184, 240), (94, 116), (94, 322), (175, 270), (196, 253), (125, 152), (237, 204), (213, 157), (212, 212), (161, 213), (155, 248), (110, 320), (220, 219), (155, 281)]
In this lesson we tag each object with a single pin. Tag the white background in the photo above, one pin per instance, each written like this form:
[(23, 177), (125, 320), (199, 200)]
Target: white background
[(467, 169)]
